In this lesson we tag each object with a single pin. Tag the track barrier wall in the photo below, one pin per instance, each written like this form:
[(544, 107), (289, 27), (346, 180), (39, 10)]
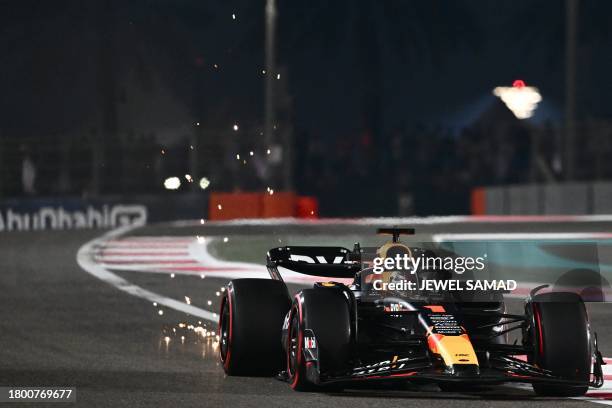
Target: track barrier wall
[(27, 214), (543, 199), (228, 206), (65, 213)]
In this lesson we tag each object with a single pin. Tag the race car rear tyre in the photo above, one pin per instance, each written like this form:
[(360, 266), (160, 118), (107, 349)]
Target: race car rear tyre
[(326, 313), (250, 325), (560, 339)]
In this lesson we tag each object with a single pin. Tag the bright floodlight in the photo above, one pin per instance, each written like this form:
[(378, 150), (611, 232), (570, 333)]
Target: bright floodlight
[(520, 99), (204, 183), (172, 183)]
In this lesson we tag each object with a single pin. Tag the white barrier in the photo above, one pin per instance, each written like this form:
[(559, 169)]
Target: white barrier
[(550, 199)]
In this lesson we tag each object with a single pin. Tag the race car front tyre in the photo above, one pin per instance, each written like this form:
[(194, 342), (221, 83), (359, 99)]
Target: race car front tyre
[(561, 342), (250, 325), (324, 313)]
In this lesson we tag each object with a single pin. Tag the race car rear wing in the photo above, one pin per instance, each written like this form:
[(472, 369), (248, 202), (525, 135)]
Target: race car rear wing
[(331, 262)]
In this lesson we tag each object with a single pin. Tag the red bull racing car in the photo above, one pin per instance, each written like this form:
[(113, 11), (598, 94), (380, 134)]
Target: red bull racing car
[(334, 334)]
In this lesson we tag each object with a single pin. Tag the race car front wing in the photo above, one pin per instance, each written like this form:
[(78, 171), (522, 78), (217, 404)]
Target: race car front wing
[(501, 368)]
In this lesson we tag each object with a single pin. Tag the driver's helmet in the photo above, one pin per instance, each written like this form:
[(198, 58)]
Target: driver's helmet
[(391, 250)]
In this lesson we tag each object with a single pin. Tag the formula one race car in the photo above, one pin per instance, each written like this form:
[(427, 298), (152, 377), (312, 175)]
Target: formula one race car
[(335, 334)]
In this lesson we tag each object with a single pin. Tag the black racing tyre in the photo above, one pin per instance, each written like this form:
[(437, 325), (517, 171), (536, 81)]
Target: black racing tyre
[(560, 339), (250, 325), (325, 311)]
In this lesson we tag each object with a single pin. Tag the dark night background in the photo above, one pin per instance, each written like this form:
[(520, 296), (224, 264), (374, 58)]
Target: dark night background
[(390, 101)]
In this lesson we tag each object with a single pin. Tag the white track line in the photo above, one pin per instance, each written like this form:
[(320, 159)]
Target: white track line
[(517, 236), (86, 261), (431, 220)]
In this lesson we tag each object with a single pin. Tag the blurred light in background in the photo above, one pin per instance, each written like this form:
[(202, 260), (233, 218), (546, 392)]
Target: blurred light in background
[(172, 183), (204, 183), (520, 99)]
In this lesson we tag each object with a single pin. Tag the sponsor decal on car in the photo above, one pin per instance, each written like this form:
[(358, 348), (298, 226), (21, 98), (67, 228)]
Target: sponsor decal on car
[(310, 342), (286, 321), (316, 259), (395, 307), (394, 363)]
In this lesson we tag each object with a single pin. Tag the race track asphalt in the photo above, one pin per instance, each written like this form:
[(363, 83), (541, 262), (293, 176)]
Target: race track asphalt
[(60, 326)]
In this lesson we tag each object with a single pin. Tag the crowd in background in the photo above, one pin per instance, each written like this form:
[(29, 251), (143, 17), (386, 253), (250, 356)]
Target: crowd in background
[(409, 170), (422, 170)]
